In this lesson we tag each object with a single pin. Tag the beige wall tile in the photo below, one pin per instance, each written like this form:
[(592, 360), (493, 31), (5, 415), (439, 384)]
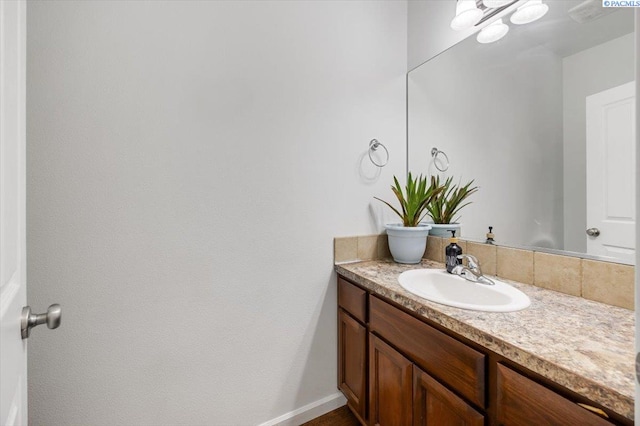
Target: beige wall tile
[(345, 249), (515, 264), (609, 283), (559, 273), (435, 249), (383, 247), (486, 255), (367, 247)]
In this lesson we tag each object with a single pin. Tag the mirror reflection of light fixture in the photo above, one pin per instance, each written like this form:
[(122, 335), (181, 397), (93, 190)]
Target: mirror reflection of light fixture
[(467, 15), (529, 12), (492, 4), (493, 32)]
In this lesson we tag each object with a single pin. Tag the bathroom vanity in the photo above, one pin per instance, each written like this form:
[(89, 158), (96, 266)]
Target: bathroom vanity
[(403, 360)]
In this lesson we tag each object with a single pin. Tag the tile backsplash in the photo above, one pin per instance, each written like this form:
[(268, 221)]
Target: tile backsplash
[(559, 273), (514, 264), (364, 247), (487, 254), (605, 282)]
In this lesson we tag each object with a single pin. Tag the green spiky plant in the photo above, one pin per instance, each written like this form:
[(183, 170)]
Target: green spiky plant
[(414, 200), (444, 207)]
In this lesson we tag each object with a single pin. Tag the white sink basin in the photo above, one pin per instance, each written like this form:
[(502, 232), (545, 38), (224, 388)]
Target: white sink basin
[(437, 285)]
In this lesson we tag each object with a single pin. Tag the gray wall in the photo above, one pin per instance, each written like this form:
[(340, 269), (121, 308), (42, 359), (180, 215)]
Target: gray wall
[(586, 73), (188, 166)]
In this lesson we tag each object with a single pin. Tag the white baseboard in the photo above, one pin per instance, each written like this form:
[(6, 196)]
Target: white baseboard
[(309, 411)]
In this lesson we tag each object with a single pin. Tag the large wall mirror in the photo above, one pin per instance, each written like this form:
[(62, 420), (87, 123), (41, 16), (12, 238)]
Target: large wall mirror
[(544, 121)]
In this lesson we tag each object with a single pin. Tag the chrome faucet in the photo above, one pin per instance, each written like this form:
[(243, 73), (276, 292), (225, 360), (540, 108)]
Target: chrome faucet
[(472, 272)]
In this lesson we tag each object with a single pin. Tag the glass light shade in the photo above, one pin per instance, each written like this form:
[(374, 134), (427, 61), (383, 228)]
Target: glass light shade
[(492, 4), (529, 12), (467, 15), (493, 32)]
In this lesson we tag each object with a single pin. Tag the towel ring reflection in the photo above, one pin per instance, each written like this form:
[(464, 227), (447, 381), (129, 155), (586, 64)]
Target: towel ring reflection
[(435, 152), (373, 146)]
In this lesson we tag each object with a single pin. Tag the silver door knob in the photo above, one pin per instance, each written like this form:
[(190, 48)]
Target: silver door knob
[(593, 232), (53, 317)]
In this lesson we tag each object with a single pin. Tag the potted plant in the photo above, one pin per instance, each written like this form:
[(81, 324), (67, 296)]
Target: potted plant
[(408, 240), (446, 204)]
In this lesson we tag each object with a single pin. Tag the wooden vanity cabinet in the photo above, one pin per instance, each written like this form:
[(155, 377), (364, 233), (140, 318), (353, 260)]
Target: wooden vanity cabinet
[(523, 402), (401, 394), (445, 358), (353, 347), (399, 370), (434, 404), (353, 299), (390, 385)]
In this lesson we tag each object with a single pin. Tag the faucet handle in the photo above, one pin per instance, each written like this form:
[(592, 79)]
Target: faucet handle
[(472, 261)]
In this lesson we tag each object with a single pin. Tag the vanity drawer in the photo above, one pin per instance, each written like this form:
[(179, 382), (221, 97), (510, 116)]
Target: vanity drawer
[(523, 402), (442, 356), (352, 299)]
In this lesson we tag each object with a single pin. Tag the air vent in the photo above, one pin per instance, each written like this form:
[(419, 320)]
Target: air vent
[(588, 11)]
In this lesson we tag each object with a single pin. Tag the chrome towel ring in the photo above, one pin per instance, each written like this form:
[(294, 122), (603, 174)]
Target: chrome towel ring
[(435, 152), (373, 146)]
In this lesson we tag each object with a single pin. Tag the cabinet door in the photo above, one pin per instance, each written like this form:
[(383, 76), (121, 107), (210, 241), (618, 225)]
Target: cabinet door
[(523, 402), (434, 404), (390, 385), (352, 363)]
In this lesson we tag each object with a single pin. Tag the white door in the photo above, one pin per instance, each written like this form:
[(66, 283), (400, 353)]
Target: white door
[(611, 148), (13, 292)]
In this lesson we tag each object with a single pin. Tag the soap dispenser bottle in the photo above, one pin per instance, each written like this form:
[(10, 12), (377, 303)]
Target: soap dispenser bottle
[(452, 252), (490, 236)]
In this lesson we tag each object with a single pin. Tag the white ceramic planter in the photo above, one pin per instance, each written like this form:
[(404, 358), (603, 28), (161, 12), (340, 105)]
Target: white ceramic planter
[(407, 244), (442, 229)]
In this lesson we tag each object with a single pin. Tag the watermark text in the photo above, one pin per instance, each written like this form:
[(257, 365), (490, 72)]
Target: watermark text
[(621, 3)]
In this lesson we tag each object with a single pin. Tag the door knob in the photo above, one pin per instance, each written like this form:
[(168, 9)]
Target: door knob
[(593, 232), (52, 318)]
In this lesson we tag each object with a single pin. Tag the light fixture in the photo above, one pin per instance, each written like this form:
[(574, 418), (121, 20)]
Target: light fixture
[(493, 32), (467, 15), (529, 12), (492, 4)]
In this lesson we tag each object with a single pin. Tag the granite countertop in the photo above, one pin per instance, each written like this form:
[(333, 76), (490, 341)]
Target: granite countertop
[(585, 346)]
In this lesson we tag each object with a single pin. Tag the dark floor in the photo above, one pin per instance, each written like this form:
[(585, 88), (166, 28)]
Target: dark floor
[(339, 417)]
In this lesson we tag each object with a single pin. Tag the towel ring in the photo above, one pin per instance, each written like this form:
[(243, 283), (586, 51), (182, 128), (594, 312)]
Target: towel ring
[(435, 152), (373, 146)]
